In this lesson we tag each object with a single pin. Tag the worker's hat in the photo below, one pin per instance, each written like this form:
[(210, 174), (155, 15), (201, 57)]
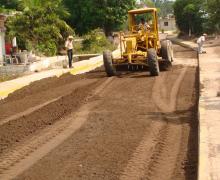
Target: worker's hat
[(204, 34), (70, 37)]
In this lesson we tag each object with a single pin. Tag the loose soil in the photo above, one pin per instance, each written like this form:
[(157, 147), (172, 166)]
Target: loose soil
[(93, 127)]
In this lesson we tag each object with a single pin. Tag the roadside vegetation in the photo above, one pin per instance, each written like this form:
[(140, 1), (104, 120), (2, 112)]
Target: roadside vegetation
[(39, 26), (94, 42), (44, 25), (7, 77), (194, 17), (87, 15), (164, 7)]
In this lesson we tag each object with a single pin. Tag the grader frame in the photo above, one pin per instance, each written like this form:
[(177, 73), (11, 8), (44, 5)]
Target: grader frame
[(140, 46)]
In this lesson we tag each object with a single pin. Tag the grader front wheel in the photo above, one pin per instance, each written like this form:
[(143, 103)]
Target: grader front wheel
[(107, 59), (153, 62)]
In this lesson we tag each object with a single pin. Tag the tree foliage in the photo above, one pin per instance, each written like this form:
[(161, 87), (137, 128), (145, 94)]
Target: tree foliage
[(165, 7), (9, 4), (91, 14), (189, 15), (39, 27), (147, 3), (96, 42), (212, 22)]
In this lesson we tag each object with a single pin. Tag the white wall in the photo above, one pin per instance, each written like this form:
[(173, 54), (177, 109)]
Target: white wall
[(171, 24), (2, 46)]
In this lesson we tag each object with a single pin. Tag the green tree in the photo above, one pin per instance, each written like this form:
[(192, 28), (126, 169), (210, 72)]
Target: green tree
[(189, 15), (91, 14), (9, 4), (28, 4), (57, 5), (147, 3), (212, 23), (39, 27), (188, 12), (165, 7)]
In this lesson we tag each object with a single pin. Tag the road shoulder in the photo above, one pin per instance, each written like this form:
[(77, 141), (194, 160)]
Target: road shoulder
[(209, 110)]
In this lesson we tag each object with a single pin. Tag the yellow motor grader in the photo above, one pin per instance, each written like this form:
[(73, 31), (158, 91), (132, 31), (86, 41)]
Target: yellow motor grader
[(140, 46)]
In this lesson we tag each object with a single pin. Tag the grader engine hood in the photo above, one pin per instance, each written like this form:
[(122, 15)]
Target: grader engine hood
[(130, 44), (131, 53)]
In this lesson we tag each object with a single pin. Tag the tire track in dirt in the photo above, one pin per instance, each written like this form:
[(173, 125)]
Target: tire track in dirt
[(151, 146), (15, 162), (167, 151), (160, 102), (165, 155), (136, 165), (164, 158)]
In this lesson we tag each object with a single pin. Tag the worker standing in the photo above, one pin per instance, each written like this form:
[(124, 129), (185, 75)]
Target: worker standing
[(200, 43), (69, 48)]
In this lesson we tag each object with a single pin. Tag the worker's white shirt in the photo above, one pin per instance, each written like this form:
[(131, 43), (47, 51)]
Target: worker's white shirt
[(144, 26), (14, 42), (69, 44), (201, 39)]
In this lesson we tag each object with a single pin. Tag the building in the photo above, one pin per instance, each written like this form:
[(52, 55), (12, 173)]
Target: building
[(2, 37), (167, 24)]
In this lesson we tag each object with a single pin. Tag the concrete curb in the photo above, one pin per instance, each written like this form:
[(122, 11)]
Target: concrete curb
[(46, 63), (203, 165), (206, 168), (50, 62), (79, 67), (209, 110), (184, 44)]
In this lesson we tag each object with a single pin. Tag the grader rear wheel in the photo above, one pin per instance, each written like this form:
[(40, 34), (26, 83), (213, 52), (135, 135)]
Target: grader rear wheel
[(167, 54), (153, 62), (107, 59)]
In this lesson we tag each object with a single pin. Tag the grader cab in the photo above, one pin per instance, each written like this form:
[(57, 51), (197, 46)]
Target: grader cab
[(140, 46)]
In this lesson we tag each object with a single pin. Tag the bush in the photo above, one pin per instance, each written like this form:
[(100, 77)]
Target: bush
[(47, 48), (94, 42)]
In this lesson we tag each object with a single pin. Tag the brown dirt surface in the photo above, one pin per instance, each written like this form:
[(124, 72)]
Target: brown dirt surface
[(93, 127), (212, 42)]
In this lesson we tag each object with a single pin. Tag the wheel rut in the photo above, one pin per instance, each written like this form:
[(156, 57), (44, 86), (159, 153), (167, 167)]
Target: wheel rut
[(153, 153)]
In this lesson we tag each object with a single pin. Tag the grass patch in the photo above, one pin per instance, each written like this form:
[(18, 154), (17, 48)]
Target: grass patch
[(7, 77)]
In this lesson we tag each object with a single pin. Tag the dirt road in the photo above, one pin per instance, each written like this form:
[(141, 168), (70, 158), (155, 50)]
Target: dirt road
[(92, 127)]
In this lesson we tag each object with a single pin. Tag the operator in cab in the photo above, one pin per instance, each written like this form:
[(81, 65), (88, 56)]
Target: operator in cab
[(143, 26)]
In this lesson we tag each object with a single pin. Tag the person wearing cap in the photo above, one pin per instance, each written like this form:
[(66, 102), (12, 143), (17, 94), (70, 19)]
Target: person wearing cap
[(200, 42), (69, 48), (143, 25)]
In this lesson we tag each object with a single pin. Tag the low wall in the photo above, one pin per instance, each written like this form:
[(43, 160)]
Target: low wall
[(80, 67)]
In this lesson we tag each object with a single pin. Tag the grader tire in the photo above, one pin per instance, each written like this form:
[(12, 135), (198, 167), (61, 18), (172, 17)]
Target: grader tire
[(167, 54), (153, 62), (107, 59)]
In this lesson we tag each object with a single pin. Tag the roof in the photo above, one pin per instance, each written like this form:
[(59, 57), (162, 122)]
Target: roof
[(142, 10)]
